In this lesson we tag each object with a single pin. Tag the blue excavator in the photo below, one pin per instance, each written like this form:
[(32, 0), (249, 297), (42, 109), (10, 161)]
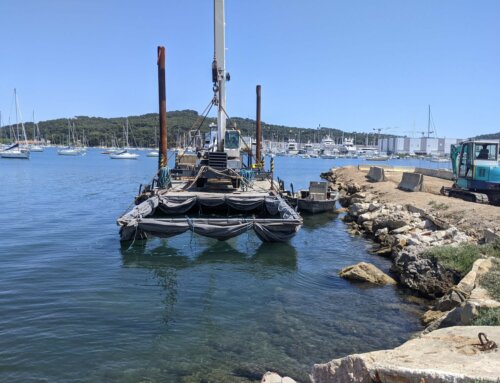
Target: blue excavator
[(476, 170)]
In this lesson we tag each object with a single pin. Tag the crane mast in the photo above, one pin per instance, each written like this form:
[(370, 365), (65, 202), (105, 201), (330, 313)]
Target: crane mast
[(219, 71)]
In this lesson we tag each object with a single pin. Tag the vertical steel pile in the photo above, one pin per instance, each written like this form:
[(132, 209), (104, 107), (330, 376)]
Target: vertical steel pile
[(162, 101)]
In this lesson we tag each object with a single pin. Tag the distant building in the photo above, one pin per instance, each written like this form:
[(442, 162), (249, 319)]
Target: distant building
[(422, 145)]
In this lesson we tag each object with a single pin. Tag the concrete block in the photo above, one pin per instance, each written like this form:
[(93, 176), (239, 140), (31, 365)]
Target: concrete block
[(376, 174), (411, 182)]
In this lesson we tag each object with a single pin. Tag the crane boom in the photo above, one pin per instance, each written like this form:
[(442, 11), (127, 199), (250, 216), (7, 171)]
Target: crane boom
[(219, 71)]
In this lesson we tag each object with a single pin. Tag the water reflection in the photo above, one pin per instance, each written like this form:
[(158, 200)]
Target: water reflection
[(278, 255), (312, 222), (165, 262)]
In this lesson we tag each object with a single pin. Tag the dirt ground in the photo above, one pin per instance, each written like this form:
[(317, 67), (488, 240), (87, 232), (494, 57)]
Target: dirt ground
[(472, 218)]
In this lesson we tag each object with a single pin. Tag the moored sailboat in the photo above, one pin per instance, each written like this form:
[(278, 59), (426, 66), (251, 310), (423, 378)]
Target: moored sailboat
[(124, 154), (16, 151), (35, 146), (71, 150)]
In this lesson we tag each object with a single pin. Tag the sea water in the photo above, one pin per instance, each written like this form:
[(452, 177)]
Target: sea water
[(76, 306)]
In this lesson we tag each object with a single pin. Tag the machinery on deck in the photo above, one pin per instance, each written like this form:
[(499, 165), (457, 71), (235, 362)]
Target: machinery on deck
[(476, 170)]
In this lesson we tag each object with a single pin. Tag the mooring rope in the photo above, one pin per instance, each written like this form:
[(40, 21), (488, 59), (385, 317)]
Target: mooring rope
[(164, 180)]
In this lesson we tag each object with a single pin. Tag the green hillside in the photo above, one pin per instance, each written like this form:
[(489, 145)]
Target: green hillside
[(100, 131), (495, 136)]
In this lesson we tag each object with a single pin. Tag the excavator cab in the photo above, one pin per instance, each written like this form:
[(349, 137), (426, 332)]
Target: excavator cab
[(477, 171)]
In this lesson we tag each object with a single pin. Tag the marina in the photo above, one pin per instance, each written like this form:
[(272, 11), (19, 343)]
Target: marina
[(306, 226), (171, 302)]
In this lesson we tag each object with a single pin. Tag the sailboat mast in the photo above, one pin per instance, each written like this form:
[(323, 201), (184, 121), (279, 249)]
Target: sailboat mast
[(34, 132), (219, 71), (69, 133), (18, 113), (429, 123), (126, 133), (17, 117)]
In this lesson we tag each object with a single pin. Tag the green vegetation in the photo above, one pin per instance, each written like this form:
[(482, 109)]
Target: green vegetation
[(438, 206), (103, 131), (494, 136), (488, 317), (461, 258), (491, 281)]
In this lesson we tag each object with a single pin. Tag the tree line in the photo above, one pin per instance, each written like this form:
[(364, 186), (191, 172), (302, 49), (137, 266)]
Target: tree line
[(143, 130)]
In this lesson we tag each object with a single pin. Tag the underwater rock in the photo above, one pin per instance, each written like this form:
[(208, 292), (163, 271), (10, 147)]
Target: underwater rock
[(366, 272)]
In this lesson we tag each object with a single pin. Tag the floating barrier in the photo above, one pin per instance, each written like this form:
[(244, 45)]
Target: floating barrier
[(277, 221)]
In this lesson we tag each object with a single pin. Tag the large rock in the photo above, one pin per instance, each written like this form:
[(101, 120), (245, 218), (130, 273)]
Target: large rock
[(366, 272), (272, 377), (431, 316), (358, 208), (423, 274), (446, 355), (393, 220)]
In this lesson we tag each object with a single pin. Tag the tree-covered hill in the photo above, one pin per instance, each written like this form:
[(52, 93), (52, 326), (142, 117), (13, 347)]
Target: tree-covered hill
[(495, 136), (100, 131)]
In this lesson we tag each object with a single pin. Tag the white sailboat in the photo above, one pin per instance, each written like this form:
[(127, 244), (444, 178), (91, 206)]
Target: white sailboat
[(36, 147), (154, 152), (70, 150), (124, 154), (16, 151)]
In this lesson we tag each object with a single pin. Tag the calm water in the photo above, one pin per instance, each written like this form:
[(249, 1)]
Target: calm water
[(76, 307)]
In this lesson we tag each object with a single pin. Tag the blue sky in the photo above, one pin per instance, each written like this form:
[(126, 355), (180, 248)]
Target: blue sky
[(352, 65)]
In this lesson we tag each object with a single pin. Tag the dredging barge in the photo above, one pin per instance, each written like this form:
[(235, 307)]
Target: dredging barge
[(211, 192)]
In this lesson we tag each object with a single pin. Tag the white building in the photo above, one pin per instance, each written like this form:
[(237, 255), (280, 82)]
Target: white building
[(430, 146), (446, 144), (422, 145)]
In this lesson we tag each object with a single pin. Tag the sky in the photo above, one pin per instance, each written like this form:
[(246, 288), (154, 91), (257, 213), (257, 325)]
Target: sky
[(355, 65)]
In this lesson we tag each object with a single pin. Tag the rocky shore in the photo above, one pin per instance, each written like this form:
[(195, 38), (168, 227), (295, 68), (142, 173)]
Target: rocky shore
[(408, 228)]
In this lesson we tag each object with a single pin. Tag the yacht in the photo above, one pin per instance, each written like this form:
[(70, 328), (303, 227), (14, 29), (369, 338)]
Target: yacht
[(327, 144), (349, 148), (292, 148), (124, 155)]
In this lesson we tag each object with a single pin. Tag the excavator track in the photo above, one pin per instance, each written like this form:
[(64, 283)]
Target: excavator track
[(466, 195)]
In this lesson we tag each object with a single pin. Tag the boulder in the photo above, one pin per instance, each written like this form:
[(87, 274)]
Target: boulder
[(344, 199), (272, 377), (358, 208), (423, 274), (352, 188), (382, 231), (402, 230), (454, 298), (430, 316), (366, 217), (367, 226), (392, 220), (366, 272)]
